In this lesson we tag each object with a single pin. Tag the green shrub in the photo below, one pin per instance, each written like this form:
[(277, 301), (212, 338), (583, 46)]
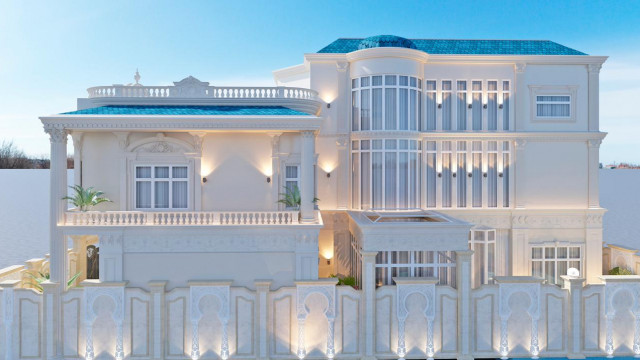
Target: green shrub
[(620, 271)]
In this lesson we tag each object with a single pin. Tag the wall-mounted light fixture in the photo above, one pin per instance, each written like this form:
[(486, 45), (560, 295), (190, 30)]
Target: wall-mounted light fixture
[(470, 106), (328, 261), (484, 106), (470, 175), (328, 105), (204, 179), (440, 175), (484, 175), (500, 174), (500, 106), (328, 175), (268, 179), (454, 174), (439, 106)]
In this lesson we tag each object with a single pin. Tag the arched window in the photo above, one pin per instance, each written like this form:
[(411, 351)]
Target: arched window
[(482, 240)]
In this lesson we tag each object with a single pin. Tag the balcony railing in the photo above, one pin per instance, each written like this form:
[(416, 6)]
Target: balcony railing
[(214, 92), (179, 218)]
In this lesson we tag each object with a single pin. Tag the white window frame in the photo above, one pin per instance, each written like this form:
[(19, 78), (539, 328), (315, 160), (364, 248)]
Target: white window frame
[(553, 90), (555, 260), (412, 265), (486, 242), (170, 179)]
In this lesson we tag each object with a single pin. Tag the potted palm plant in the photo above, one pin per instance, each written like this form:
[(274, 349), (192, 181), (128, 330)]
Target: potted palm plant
[(291, 197), (84, 199)]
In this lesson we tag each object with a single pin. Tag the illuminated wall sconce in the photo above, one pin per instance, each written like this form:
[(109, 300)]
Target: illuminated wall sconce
[(484, 106), (484, 175), (454, 174), (500, 174), (439, 106), (328, 261), (204, 179), (470, 106), (268, 179), (328, 175), (439, 175), (500, 106), (470, 175), (328, 105)]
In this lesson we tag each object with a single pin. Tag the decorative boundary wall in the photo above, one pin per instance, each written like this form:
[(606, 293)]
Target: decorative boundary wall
[(415, 319)]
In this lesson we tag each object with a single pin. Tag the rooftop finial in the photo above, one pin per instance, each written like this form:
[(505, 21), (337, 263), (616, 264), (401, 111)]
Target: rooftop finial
[(137, 77)]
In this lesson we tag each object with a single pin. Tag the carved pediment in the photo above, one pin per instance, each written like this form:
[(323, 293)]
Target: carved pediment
[(161, 144), (189, 87)]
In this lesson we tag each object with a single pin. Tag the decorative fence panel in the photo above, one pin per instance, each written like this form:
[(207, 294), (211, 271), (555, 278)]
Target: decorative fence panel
[(319, 320)]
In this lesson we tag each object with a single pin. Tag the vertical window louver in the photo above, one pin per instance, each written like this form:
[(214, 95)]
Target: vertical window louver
[(505, 105), (476, 113), (462, 174), (492, 105), (462, 105), (476, 154), (446, 173), (492, 174), (506, 161), (446, 105), (431, 173), (430, 93)]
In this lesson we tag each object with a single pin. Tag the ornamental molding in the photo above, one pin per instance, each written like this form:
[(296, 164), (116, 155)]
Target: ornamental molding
[(594, 143), (506, 290), (161, 144), (196, 293), (303, 291), (403, 291), (520, 144), (611, 291), (594, 68), (549, 221), (520, 68), (115, 293), (189, 87), (159, 122), (342, 66), (342, 141), (77, 136), (57, 135), (497, 222)]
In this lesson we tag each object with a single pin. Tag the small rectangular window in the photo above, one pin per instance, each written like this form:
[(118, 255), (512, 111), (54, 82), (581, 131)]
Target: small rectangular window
[(553, 106), (292, 178), (161, 187)]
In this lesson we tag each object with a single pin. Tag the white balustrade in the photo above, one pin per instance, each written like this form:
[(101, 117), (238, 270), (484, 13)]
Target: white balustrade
[(180, 218), (217, 92)]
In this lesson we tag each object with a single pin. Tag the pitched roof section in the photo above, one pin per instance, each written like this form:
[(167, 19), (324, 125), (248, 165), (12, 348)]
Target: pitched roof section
[(464, 47), (188, 110)]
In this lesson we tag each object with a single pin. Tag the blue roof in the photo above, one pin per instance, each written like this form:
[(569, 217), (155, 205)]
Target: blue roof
[(187, 110), (453, 47)]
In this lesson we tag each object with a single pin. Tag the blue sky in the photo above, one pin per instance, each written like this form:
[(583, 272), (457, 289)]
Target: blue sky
[(50, 52)]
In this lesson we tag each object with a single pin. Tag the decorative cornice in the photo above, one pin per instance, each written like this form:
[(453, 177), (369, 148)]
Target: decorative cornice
[(123, 139), (57, 135)]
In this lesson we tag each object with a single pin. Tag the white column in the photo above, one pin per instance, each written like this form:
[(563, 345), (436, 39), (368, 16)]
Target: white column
[(58, 188), (198, 139), (520, 98), (158, 320), (463, 280), (574, 286), (369, 313), (518, 174), (343, 171), (275, 169), (593, 148), (262, 330), (77, 157), (307, 181), (594, 96)]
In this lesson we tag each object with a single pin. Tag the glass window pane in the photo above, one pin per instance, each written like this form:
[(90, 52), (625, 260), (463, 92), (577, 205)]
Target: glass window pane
[(550, 272), (143, 172), (575, 252), (179, 195), (291, 172), (381, 276), (390, 80), (179, 172), (376, 80), (404, 81), (400, 272), (161, 195), (549, 253), (400, 257), (536, 269), (162, 172), (143, 194), (364, 81), (562, 253), (536, 253)]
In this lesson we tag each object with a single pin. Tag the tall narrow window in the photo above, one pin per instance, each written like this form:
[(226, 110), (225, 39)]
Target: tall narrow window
[(505, 173), (431, 104), (505, 105), (376, 174), (355, 177), (476, 115), (462, 174), (161, 187), (446, 105), (391, 174), (461, 109), (365, 108), (492, 174), (483, 243), (492, 105), (376, 106), (477, 173), (431, 173), (292, 177), (355, 105), (365, 174), (390, 95), (446, 174)]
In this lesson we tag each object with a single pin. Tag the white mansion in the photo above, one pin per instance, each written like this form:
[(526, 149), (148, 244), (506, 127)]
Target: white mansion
[(456, 181)]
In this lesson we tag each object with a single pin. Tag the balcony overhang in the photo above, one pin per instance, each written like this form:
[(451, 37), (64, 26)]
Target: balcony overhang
[(408, 231)]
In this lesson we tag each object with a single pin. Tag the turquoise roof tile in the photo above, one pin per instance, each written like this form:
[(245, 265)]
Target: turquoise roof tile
[(187, 110), (453, 47)]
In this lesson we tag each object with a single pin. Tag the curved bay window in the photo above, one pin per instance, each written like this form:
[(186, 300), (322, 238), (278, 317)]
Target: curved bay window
[(386, 174), (386, 102), (483, 243)]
